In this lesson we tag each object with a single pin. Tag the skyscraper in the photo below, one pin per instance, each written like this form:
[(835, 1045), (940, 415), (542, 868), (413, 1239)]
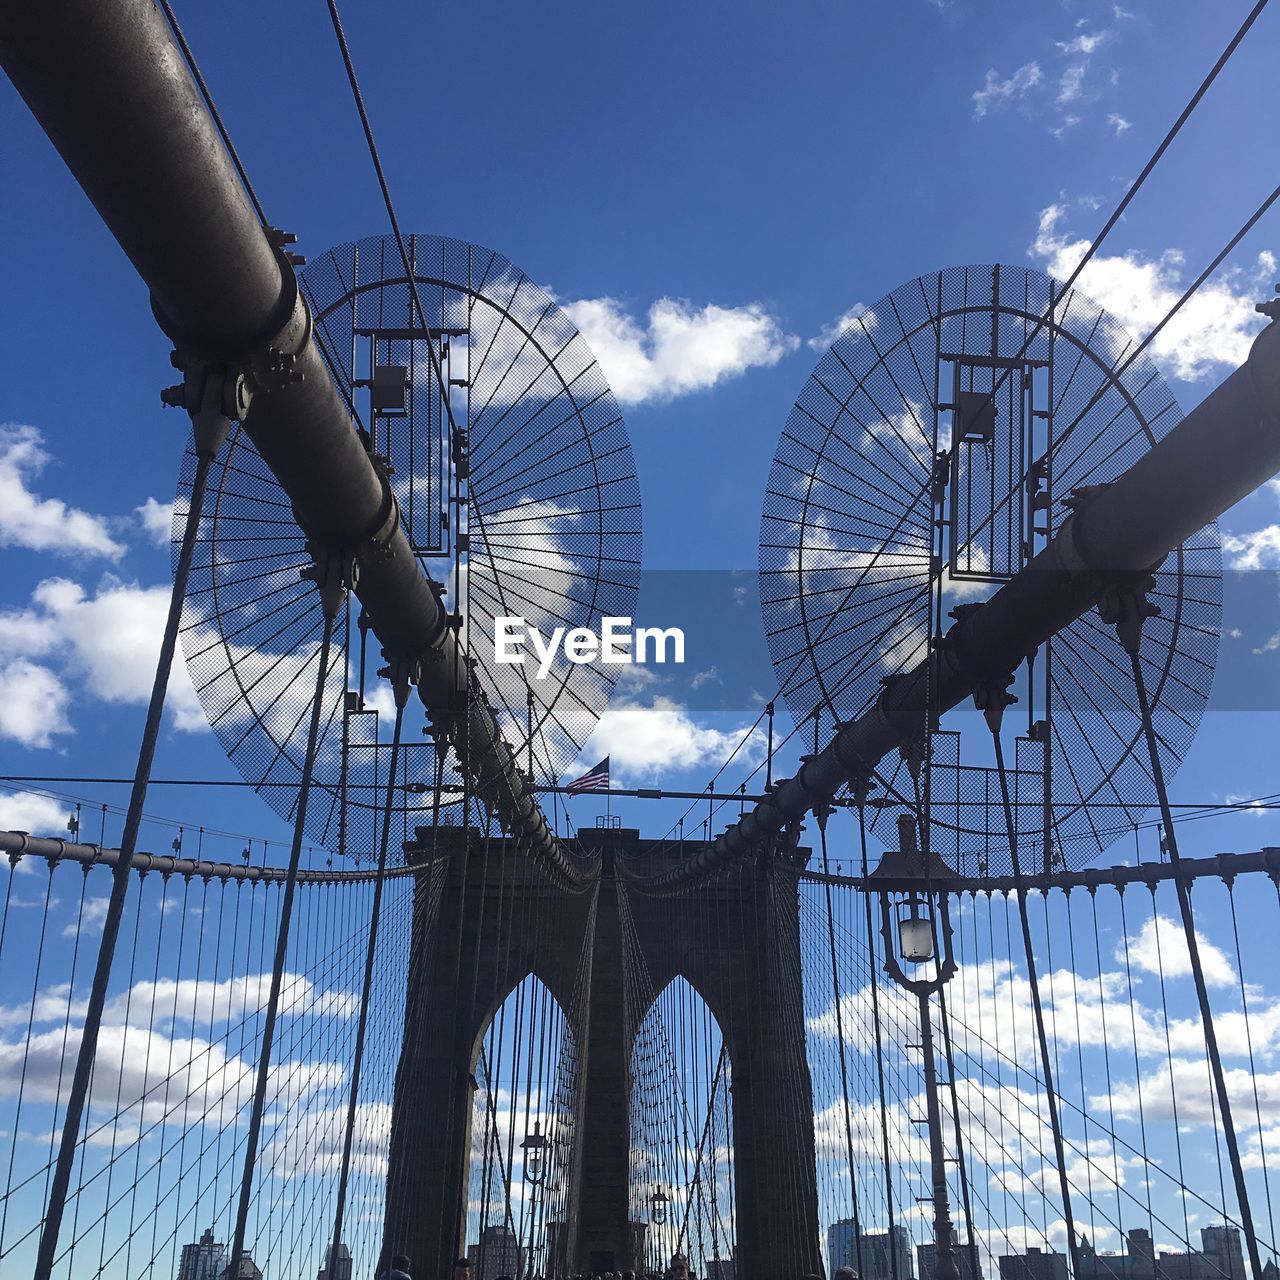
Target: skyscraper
[(872, 1258), (339, 1268), (498, 1254), (204, 1260), (965, 1255)]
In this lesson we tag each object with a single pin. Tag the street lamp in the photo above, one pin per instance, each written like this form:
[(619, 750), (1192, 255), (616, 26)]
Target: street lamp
[(915, 911), (535, 1147), (915, 917), (658, 1207)]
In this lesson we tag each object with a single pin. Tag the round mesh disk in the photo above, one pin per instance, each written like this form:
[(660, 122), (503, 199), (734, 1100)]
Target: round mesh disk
[(929, 455), (517, 491)]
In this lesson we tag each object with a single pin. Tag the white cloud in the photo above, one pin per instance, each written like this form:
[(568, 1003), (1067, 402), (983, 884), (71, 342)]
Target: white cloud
[(681, 348), (1161, 947), (998, 93), (150, 1069), (1181, 1089), (1119, 123), (831, 331), (33, 704), (156, 519), (1257, 550), (1212, 331), (1253, 807), (39, 815), (42, 524), (1071, 84), (107, 642), (643, 741), (1085, 43)]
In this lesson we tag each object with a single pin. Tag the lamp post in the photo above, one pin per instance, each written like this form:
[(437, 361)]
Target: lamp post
[(915, 921), (537, 1167), (658, 1207)]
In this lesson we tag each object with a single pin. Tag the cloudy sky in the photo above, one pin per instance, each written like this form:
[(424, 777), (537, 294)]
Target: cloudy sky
[(712, 195), (713, 192)]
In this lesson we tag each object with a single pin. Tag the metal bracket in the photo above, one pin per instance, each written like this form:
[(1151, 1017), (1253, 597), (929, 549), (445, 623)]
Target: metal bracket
[(1125, 606), (991, 697), (214, 396), (334, 574), (403, 674)]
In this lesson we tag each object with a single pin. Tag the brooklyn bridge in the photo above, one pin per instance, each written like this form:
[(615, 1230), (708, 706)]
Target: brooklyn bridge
[(928, 981)]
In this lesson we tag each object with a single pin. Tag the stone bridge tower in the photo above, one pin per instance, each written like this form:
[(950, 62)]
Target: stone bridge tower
[(482, 922)]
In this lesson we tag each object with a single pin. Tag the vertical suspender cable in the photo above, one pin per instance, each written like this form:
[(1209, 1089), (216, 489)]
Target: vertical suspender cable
[(993, 707), (822, 814), (894, 1271), (402, 694), (1130, 640), (332, 592), (208, 440)]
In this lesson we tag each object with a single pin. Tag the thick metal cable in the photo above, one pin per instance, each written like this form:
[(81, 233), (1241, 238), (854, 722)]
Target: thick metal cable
[(282, 935), (402, 690), (875, 1018), (88, 1049), (844, 1066), (1197, 971), (1095, 244), (1046, 1062)]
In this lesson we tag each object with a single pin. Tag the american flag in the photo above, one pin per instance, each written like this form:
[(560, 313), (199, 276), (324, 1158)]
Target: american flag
[(596, 779)]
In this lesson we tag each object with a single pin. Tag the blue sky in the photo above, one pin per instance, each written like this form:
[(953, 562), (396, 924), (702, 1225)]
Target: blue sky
[(707, 188)]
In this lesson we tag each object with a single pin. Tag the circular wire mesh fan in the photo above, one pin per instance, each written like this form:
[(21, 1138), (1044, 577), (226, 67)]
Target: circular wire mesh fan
[(926, 460), (540, 519)]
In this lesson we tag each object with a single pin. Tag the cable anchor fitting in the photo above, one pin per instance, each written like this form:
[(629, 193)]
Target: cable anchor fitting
[(991, 697), (1125, 606), (214, 395), (334, 574), (403, 674)]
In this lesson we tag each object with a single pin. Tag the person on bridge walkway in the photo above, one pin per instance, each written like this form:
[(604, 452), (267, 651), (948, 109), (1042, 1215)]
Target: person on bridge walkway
[(399, 1268)]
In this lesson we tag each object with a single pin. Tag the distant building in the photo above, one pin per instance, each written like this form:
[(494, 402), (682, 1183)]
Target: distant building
[(875, 1259), (249, 1270), (205, 1260), (1223, 1251), (337, 1269), (1138, 1262), (719, 1269), (1035, 1264), (1220, 1257), (966, 1256), (498, 1253)]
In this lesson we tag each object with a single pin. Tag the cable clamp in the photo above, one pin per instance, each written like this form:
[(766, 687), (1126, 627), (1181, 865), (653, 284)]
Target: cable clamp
[(214, 394), (1125, 606), (403, 674), (991, 697), (334, 574)]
